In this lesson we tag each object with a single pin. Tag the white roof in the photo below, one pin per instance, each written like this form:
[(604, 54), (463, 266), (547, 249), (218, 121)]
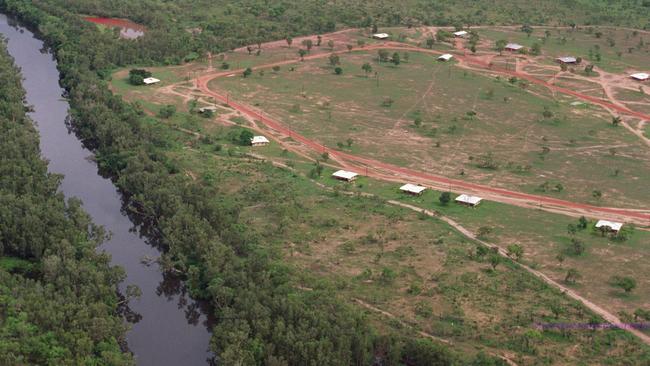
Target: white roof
[(640, 76), (208, 108), (446, 57), (343, 174), (380, 35), (412, 188), (148, 81), (567, 59), (472, 200), (615, 226), (514, 46), (259, 140), (460, 33)]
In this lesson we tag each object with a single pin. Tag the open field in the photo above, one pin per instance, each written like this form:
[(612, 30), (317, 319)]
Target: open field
[(613, 50), (417, 269), (451, 140), (535, 153)]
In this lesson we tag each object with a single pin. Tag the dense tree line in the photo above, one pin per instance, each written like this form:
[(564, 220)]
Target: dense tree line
[(58, 297)]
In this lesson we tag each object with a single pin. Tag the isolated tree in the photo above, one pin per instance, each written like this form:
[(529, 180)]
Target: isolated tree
[(367, 68), (500, 45), (547, 113), (495, 260), (383, 55), (572, 276), (302, 54), (249, 49), (247, 72), (275, 69), (571, 229), (597, 194), (319, 40), (349, 141), (350, 47), (167, 111), (616, 120), (577, 246), (245, 137), (589, 69), (626, 283), (395, 59), (308, 44), (137, 76), (330, 44), (334, 59), (289, 41), (338, 70), (536, 49), (445, 198), (583, 223), (430, 42), (515, 251), (527, 29)]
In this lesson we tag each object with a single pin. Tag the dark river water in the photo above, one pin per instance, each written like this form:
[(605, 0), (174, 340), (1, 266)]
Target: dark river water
[(172, 329)]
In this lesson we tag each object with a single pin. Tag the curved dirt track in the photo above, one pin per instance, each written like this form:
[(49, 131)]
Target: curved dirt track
[(382, 170)]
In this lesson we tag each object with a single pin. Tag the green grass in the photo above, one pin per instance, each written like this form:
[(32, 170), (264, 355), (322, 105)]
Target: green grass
[(331, 108)]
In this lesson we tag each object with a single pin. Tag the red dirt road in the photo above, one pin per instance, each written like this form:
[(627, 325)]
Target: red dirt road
[(374, 168)]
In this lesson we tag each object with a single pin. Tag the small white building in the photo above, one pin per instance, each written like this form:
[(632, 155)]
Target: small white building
[(610, 225), (640, 76), (380, 36), (259, 141), (209, 108), (412, 189), (466, 199), (460, 34), (345, 175), (514, 47), (445, 57), (149, 81), (567, 60)]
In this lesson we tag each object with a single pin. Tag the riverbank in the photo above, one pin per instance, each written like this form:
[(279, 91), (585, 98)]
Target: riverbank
[(170, 327)]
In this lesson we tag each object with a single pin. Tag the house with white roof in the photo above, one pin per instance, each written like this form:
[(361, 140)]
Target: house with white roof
[(210, 108), (460, 34), (345, 175), (514, 47), (609, 225), (149, 81), (380, 36), (468, 200), (567, 60), (412, 189), (445, 57), (259, 141), (640, 76)]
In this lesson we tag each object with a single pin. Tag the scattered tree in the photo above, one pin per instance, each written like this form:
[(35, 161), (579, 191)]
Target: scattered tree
[(289, 41), (572, 276), (445, 198), (367, 68), (627, 284), (515, 251)]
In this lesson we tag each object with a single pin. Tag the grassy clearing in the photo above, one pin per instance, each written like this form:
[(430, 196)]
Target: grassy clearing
[(629, 51), (462, 116), (412, 266)]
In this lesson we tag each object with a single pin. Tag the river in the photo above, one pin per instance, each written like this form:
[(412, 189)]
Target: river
[(172, 330)]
